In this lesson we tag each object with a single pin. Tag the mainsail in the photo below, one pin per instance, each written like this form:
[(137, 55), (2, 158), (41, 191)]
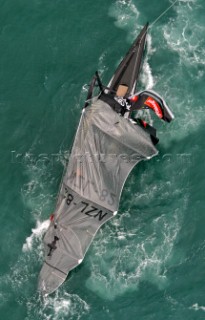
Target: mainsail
[(107, 146)]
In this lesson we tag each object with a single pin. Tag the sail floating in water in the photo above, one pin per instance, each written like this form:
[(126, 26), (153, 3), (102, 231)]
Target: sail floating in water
[(107, 145)]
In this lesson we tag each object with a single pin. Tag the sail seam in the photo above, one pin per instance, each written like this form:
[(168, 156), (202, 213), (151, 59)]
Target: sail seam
[(55, 268)]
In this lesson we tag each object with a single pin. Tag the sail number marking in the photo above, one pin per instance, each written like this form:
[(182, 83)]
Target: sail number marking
[(92, 211), (87, 208), (88, 187)]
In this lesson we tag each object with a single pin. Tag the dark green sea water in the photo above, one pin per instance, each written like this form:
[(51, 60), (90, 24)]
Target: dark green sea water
[(148, 263)]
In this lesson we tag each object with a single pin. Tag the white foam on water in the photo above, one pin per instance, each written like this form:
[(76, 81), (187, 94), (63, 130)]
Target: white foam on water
[(138, 245), (150, 48), (125, 13), (102, 64), (37, 233), (133, 257), (85, 88), (147, 77), (62, 306), (36, 197), (196, 307), (3, 296), (23, 272), (22, 279), (182, 38), (36, 193), (187, 44)]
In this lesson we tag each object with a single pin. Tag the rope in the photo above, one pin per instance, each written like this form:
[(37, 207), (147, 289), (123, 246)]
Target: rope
[(162, 14)]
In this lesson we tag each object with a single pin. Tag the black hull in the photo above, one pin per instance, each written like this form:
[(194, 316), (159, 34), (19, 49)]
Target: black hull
[(127, 72)]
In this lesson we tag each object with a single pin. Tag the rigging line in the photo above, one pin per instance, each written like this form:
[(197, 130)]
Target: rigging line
[(163, 13)]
